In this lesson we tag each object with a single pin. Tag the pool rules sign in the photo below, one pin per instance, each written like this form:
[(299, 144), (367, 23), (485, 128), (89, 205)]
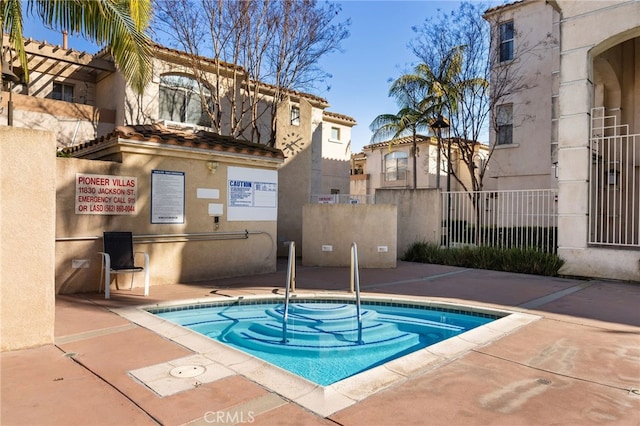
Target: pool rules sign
[(106, 194)]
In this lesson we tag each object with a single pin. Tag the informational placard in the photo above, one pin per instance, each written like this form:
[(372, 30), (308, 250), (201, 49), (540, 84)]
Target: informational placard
[(106, 194), (252, 194), (167, 196), (326, 199)]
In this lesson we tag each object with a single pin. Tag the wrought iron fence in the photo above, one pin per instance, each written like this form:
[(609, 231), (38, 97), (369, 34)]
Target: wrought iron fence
[(505, 219), (614, 182)]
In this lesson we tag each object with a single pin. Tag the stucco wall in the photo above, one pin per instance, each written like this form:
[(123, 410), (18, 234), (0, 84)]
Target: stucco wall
[(371, 227), (177, 252), (27, 232), (529, 83), (588, 29), (418, 214)]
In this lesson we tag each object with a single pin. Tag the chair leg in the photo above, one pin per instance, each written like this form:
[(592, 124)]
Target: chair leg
[(106, 269), (146, 274), (107, 283)]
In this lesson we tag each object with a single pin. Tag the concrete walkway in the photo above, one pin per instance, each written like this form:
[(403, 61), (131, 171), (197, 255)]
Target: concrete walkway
[(579, 364)]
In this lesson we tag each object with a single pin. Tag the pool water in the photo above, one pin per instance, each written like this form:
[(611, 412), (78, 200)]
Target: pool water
[(322, 342)]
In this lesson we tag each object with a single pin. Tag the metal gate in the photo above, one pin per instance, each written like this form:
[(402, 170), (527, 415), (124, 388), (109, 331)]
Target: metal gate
[(614, 182)]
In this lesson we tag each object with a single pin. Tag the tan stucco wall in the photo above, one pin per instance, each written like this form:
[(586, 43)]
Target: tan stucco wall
[(172, 258), (530, 84), (587, 29), (418, 215), (296, 174), (72, 123), (27, 232), (370, 226)]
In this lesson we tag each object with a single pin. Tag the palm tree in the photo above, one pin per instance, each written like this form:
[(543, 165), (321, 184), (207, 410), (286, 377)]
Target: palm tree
[(422, 96), (393, 126), (120, 24), (443, 86)]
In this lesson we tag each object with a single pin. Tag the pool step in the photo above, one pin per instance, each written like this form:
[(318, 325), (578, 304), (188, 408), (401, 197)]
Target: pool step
[(324, 332), (316, 313), (256, 341)]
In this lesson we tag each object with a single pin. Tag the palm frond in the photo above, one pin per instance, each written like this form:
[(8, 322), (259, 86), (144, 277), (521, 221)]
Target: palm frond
[(120, 24), (11, 23)]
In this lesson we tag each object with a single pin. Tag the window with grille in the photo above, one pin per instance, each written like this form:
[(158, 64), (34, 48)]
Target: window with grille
[(506, 41), (504, 120), (62, 92), (395, 166), (295, 116)]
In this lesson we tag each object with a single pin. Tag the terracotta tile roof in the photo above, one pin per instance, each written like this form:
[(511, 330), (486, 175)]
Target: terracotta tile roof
[(502, 6), (337, 116), (401, 141), (200, 139), (267, 86)]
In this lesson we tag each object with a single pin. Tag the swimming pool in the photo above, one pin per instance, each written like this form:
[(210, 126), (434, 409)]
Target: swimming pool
[(323, 341)]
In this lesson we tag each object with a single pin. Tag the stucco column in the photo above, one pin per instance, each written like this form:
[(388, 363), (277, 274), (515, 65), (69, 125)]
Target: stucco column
[(27, 237), (573, 149)]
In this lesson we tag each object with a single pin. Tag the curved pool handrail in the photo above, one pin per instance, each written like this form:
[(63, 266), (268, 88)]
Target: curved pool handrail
[(355, 285), (289, 286)]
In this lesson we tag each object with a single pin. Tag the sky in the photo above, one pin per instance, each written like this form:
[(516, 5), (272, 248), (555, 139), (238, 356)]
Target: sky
[(375, 53)]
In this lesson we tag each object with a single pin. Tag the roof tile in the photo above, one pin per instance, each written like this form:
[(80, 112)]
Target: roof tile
[(199, 139)]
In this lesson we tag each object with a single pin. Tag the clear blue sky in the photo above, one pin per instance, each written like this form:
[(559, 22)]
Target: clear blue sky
[(375, 53)]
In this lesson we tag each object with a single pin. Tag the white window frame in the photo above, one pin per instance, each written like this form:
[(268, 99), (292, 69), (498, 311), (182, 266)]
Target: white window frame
[(507, 41), (396, 166), (191, 97), (63, 94), (335, 134), (504, 124), (295, 115)]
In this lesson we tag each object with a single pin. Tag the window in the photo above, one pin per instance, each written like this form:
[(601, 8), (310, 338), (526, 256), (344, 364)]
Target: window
[(504, 120), (295, 116), (180, 100), (62, 92), (335, 133), (506, 41), (395, 166)]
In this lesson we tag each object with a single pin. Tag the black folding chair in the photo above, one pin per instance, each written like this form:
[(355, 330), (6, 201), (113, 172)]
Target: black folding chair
[(118, 257)]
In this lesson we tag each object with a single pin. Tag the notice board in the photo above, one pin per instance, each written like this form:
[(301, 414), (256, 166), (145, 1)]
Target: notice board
[(167, 196), (252, 194)]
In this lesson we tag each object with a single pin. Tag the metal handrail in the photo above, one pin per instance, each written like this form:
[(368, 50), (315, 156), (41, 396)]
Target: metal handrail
[(355, 285), (290, 286), (166, 238)]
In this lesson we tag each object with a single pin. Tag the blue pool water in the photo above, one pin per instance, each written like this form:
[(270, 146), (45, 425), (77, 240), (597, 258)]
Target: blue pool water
[(322, 336)]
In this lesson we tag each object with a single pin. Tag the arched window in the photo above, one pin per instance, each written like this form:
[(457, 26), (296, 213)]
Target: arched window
[(395, 166), (180, 100)]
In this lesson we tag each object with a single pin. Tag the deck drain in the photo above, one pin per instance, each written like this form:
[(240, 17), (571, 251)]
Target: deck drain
[(187, 371)]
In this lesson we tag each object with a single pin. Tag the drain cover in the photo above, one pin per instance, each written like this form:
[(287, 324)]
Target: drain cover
[(187, 371)]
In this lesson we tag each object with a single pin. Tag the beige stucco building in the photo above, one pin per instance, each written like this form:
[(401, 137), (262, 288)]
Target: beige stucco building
[(390, 165), (81, 97), (158, 141), (573, 123)]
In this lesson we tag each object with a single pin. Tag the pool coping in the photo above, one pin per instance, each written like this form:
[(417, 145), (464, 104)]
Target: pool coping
[(219, 360)]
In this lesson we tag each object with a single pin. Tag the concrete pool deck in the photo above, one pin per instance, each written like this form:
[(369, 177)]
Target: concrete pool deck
[(579, 363)]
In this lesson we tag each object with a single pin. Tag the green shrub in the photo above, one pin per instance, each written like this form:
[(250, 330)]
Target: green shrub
[(461, 231), (523, 260)]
